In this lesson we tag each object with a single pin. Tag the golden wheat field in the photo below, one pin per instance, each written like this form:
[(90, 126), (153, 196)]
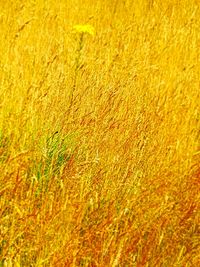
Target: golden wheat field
[(99, 133)]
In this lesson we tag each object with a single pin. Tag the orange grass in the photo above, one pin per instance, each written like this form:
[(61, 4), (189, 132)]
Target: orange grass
[(99, 133)]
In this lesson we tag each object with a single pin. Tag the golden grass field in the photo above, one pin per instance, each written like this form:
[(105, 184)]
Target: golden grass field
[(99, 133)]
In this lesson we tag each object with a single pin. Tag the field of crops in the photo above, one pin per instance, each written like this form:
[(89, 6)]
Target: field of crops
[(99, 133)]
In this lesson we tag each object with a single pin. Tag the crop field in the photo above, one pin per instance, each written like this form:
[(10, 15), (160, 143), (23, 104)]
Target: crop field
[(100, 133)]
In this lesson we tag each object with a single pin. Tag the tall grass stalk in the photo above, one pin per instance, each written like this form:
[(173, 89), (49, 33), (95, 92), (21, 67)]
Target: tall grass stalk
[(107, 172)]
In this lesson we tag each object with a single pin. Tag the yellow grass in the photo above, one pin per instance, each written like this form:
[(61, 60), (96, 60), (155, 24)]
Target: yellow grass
[(99, 133)]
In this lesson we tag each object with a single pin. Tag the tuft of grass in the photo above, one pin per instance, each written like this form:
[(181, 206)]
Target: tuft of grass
[(99, 133)]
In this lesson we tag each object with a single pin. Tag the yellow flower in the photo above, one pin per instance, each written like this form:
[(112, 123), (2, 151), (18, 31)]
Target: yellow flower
[(84, 28)]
